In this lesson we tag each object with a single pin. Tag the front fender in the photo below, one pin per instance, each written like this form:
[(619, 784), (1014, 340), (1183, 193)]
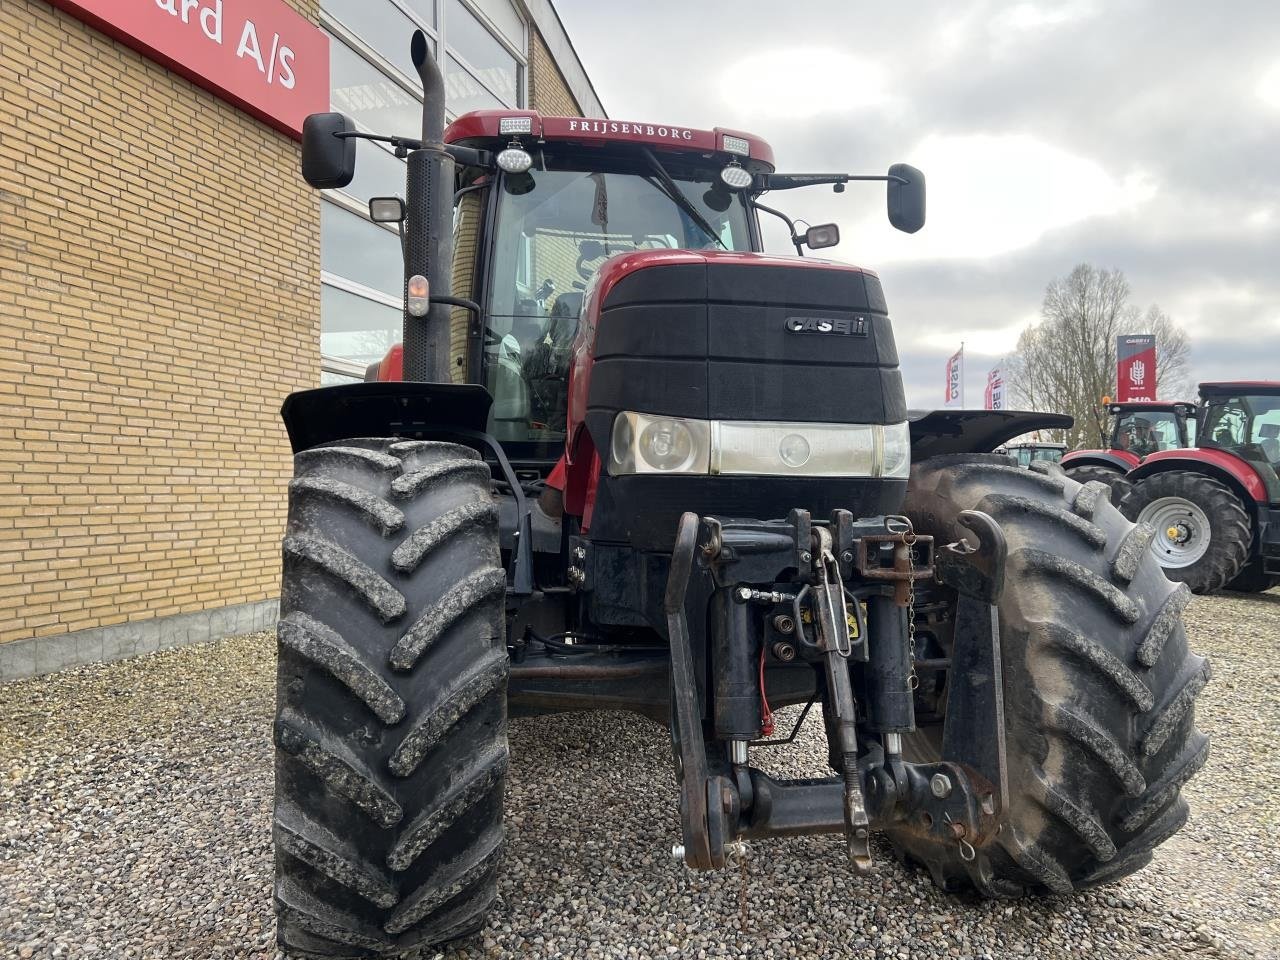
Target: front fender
[(1216, 463), (938, 432), (387, 409)]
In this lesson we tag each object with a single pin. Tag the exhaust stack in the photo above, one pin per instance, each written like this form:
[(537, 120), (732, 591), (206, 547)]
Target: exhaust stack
[(428, 228)]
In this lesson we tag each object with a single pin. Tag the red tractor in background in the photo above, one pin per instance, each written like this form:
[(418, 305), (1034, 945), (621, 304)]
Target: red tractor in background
[(635, 463), (1138, 429), (1213, 510)]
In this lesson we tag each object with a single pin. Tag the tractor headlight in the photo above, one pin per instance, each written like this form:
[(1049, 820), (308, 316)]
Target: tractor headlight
[(648, 444), (644, 444)]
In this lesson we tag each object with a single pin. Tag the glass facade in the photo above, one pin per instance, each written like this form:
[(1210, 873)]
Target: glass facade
[(481, 46)]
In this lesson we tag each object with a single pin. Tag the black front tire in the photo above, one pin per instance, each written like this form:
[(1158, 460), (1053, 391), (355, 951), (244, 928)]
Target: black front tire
[(1230, 532), (391, 746), (1099, 683)]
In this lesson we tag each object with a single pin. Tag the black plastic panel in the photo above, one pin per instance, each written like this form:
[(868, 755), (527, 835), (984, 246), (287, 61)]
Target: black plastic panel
[(644, 510)]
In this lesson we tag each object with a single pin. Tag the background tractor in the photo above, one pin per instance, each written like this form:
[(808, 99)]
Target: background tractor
[(1137, 431), (1213, 510), (634, 463), (1026, 453)]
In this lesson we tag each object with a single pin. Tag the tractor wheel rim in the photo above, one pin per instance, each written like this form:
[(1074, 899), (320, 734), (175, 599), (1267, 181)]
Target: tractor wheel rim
[(1182, 531)]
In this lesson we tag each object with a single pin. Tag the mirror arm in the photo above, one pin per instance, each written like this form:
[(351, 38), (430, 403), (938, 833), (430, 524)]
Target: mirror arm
[(467, 156), (790, 181), (791, 226)]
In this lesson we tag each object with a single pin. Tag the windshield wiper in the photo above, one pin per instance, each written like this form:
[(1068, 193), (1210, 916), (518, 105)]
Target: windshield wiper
[(674, 193)]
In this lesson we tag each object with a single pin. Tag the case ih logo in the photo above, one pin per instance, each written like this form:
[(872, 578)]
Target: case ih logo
[(1137, 373), (849, 327)]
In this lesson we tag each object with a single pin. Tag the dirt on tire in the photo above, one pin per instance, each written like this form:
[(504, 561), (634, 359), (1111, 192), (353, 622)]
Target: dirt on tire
[(1099, 683), (390, 731)]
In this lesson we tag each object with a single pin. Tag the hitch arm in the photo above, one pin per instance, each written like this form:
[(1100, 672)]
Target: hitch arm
[(700, 819)]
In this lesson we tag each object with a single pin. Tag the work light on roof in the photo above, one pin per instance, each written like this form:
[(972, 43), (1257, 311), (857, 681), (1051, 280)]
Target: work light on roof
[(738, 145), (511, 125), (735, 177), (515, 159)]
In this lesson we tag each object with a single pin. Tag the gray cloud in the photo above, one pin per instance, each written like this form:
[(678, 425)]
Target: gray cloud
[(1163, 92)]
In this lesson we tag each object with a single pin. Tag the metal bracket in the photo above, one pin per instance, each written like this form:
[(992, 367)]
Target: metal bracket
[(973, 736), (904, 570), (702, 821)]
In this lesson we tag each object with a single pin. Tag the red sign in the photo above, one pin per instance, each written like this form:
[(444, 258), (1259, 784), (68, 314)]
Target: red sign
[(258, 54), (1135, 367)]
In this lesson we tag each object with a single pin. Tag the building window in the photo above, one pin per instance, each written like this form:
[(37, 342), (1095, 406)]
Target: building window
[(374, 82)]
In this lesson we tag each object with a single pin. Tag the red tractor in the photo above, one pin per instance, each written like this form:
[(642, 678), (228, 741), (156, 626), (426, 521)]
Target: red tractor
[(634, 463), (1137, 431), (1214, 510)]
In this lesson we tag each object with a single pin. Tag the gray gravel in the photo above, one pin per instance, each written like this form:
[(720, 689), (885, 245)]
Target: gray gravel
[(135, 809)]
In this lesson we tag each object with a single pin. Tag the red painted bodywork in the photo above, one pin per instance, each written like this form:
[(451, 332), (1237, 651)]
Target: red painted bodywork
[(213, 44), (391, 367), (1241, 386), (483, 125), (1194, 460)]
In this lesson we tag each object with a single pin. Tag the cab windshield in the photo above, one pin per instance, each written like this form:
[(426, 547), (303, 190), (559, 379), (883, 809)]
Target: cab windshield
[(1247, 426), (1145, 432), (554, 229)]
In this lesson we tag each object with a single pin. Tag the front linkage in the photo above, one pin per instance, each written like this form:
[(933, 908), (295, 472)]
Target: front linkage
[(839, 596)]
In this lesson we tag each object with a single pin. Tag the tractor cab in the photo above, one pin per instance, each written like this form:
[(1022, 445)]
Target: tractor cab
[(1243, 419), (1138, 430), (530, 238), (1146, 428)]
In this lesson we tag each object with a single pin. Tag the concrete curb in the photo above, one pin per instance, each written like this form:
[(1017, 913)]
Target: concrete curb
[(40, 655)]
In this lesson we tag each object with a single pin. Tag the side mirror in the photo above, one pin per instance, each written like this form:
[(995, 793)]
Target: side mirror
[(906, 197), (822, 236), (328, 160)]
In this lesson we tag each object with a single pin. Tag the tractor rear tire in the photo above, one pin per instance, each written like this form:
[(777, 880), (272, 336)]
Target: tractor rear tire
[(1112, 478), (1099, 683), (1229, 533), (390, 731), (1253, 579)]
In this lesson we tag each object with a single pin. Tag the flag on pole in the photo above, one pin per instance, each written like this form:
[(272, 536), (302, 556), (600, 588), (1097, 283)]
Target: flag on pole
[(955, 379), (995, 389)]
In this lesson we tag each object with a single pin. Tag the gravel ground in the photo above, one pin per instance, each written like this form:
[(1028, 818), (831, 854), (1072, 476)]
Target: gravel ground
[(135, 822)]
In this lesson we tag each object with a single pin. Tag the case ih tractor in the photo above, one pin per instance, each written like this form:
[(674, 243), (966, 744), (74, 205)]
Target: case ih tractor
[(633, 463), (1213, 511), (1138, 429)]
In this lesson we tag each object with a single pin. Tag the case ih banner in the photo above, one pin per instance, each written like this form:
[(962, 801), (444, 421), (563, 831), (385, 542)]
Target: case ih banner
[(257, 54), (954, 394), (995, 389), (1135, 367)]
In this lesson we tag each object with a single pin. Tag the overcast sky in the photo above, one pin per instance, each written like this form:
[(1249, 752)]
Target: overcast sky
[(1143, 136)]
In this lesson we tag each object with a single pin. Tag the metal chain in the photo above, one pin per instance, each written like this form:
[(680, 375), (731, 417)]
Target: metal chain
[(909, 541)]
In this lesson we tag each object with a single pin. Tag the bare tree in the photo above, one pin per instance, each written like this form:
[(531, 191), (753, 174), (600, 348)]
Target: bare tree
[(1066, 363)]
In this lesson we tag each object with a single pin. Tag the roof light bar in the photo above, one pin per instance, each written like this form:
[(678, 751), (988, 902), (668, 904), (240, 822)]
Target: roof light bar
[(738, 145), (510, 125)]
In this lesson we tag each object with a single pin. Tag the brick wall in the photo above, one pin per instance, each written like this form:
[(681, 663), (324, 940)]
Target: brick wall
[(159, 259), (548, 93)]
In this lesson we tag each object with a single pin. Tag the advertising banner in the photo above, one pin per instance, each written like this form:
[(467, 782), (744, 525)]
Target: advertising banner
[(1135, 367), (257, 54), (995, 389), (954, 392)]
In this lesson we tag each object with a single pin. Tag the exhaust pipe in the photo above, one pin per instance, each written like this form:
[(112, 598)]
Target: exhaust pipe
[(428, 229)]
